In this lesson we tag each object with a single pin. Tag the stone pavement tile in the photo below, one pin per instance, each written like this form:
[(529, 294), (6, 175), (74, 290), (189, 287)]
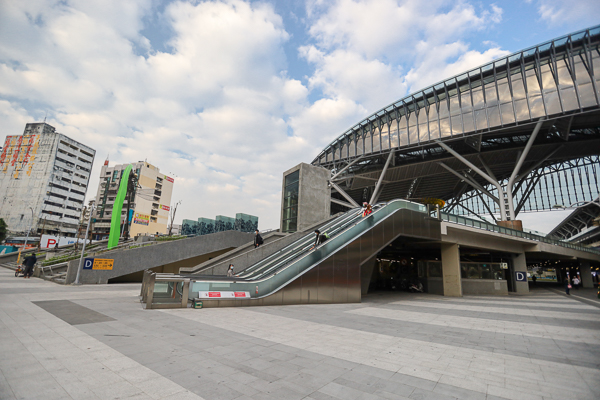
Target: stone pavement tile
[(459, 392), (464, 384), (158, 387), (214, 390), (422, 394), (282, 369), (340, 391), (366, 387), (185, 395), (372, 371), (36, 388), (413, 381), (5, 390), (324, 370), (114, 391), (511, 393)]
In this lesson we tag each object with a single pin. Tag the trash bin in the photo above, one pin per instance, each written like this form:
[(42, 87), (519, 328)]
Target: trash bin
[(197, 303)]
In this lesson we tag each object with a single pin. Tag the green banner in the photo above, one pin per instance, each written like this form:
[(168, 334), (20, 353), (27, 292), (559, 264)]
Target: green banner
[(115, 222)]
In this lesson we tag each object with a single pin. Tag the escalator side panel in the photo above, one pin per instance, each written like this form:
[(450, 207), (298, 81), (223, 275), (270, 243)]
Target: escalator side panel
[(388, 229), (366, 244), (274, 299), (310, 287), (354, 266), (326, 281), (292, 293), (340, 276)]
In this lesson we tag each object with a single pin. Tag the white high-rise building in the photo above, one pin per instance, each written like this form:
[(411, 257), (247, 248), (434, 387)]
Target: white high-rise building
[(44, 177)]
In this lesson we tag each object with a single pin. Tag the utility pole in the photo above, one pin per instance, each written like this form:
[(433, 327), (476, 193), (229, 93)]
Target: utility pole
[(83, 248), (173, 211)]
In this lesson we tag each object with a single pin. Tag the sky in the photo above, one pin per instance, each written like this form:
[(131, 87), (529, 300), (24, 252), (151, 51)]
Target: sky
[(226, 95)]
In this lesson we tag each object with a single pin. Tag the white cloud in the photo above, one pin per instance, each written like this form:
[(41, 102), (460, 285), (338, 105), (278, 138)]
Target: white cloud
[(212, 111), (371, 52), (559, 12)]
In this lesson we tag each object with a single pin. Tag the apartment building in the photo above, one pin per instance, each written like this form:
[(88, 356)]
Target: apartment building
[(150, 205), (44, 177)]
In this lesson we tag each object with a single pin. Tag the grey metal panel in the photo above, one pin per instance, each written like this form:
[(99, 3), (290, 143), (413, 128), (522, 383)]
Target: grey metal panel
[(388, 230), (340, 276), (366, 244), (326, 281), (292, 293), (310, 286)]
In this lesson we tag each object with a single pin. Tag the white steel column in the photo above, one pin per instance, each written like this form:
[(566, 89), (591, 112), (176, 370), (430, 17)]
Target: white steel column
[(513, 176), (375, 195), (503, 216), (346, 195)]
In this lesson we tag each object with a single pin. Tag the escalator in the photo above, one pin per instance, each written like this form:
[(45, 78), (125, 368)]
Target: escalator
[(330, 272)]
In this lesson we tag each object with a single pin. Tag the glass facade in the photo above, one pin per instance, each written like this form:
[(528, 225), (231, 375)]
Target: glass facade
[(550, 80), (290, 202)]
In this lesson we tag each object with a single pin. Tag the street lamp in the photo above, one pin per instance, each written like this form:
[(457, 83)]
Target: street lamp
[(83, 248)]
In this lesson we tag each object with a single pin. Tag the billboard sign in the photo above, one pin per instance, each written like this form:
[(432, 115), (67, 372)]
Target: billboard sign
[(142, 219)]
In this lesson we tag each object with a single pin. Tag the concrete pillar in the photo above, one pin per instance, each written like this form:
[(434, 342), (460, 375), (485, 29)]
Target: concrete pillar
[(519, 265), (586, 274), (451, 270)]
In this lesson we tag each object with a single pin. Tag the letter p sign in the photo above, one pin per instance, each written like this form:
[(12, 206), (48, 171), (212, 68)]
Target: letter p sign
[(520, 276)]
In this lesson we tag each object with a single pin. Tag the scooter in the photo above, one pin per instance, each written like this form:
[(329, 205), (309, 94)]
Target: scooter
[(416, 287), (20, 270)]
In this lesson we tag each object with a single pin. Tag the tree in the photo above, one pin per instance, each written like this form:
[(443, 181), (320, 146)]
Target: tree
[(3, 230)]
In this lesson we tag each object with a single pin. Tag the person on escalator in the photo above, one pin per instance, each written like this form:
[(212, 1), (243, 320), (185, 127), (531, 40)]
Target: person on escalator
[(230, 271), (367, 209), (319, 238)]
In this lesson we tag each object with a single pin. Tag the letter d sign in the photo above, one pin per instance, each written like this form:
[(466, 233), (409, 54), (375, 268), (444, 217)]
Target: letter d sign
[(88, 263), (520, 276)]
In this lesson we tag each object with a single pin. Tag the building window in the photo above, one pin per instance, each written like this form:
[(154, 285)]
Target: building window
[(290, 202)]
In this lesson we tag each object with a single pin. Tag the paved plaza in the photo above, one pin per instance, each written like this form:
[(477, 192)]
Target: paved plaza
[(96, 342)]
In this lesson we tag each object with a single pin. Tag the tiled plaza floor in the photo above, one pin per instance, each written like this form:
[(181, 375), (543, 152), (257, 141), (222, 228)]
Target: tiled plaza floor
[(96, 342)]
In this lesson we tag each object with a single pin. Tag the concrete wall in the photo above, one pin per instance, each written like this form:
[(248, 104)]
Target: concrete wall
[(484, 286), (314, 195), (170, 256)]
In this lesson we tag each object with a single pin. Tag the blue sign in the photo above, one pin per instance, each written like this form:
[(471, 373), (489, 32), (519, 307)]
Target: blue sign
[(88, 263), (521, 276)]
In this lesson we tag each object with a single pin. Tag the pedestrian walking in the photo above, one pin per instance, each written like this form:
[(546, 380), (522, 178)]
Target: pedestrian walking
[(28, 264), (568, 286), (534, 279), (576, 282), (258, 240)]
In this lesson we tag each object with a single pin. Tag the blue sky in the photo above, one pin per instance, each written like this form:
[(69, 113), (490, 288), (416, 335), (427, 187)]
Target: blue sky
[(226, 95)]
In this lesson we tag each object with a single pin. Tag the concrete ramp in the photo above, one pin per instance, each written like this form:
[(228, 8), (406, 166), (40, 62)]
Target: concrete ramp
[(167, 257)]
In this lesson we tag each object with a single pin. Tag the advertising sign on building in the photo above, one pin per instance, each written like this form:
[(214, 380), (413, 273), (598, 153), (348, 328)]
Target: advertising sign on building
[(168, 178), (142, 219), (50, 241), (163, 207)]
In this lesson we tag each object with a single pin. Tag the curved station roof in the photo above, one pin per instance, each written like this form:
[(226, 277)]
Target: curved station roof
[(486, 115)]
